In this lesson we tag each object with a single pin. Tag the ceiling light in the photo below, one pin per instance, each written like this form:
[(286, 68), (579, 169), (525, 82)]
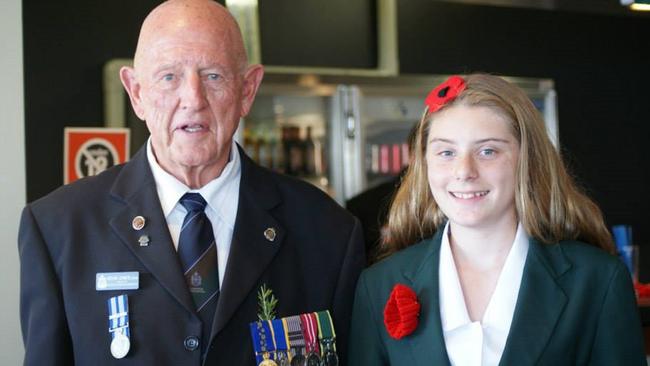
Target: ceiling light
[(641, 5)]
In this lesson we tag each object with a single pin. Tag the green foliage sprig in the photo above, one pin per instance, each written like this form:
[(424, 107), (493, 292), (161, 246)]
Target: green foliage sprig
[(267, 302)]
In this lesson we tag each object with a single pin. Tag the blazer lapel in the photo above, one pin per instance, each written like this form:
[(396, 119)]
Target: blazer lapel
[(427, 341), (136, 189), (251, 250), (539, 306)]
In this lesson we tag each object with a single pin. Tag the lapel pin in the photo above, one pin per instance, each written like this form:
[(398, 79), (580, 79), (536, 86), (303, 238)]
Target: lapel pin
[(269, 234), (144, 240), (138, 222)]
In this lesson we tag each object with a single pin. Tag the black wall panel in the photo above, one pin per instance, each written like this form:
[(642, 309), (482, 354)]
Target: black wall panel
[(333, 33), (66, 44)]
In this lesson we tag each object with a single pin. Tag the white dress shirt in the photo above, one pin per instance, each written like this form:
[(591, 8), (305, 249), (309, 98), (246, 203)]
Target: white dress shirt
[(221, 194), (479, 343)]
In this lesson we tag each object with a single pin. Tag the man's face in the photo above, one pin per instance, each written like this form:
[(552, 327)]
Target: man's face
[(191, 90)]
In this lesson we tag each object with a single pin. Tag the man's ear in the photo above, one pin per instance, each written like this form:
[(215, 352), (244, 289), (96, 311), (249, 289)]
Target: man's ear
[(132, 87), (252, 81)]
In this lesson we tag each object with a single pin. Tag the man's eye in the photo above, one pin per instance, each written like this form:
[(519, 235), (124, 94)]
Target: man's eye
[(212, 76), (168, 77)]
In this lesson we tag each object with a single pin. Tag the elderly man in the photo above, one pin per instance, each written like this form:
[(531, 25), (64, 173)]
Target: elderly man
[(160, 261)]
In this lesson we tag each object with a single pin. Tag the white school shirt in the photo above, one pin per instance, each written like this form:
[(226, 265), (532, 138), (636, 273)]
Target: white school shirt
[(221, 195), (479, 343)]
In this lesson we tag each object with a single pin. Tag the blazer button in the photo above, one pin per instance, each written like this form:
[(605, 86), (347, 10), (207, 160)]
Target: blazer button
[(191, 343)]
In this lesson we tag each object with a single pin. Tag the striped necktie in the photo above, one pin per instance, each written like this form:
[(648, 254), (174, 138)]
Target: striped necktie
[(198, 254)]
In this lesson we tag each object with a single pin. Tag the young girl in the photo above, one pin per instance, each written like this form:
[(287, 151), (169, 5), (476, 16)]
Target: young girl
[(494, 254)]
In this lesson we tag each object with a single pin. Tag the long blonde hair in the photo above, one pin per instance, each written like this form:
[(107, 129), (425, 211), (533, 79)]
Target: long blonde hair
[(550, 206)]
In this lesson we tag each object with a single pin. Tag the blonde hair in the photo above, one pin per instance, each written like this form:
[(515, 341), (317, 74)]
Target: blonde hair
[(549, 204)]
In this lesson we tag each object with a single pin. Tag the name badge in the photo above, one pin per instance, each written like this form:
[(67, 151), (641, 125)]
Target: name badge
[(107, 281)]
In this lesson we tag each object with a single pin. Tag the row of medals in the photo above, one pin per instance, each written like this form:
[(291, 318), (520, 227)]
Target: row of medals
[(329, 357)]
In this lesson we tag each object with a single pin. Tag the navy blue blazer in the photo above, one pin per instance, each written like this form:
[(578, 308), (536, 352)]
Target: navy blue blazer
[(85, 228), (576, 306)]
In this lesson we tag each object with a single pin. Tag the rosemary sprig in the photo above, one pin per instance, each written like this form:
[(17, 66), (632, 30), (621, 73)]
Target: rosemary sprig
[(267, 302)]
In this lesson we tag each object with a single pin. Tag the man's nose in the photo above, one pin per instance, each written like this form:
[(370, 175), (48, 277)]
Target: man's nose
[(465, 167), (193, 92)]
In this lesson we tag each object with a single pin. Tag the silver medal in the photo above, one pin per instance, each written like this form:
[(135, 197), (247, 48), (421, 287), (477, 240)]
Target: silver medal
[(120, 345)]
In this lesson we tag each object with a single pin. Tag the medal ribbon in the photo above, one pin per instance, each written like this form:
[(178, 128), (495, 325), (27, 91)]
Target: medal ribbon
[(261, 333), (309, 329), (293, 335), (293, 328), (118, 315), (285, 328), (279, 340), (279, 335), (326, 328)]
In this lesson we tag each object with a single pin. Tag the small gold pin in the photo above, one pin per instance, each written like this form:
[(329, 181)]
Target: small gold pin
[(138, 223), (269, 234), (144, 240)]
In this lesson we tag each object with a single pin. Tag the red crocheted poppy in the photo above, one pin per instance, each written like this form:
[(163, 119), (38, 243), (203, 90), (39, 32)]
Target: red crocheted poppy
[(642, 290), (444, 93), (401, 312)]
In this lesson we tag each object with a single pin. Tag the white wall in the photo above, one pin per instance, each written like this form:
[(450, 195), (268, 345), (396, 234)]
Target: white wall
[(12, 176)]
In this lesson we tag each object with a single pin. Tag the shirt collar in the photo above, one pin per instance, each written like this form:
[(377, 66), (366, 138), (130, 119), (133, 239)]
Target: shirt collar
[(500, 310), (453, 311), (504, 299), (215, 192)]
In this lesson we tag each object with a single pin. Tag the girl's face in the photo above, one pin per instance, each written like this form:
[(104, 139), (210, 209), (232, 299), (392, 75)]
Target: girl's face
[(471, 160)]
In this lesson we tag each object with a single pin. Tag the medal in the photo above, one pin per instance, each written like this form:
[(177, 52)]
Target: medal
[(327, 338), (313, 359), (120, 345), (309, 324), (263, 342), (282, 359), (267, 361), (118, 325), (330, 358), (295, 340), (279, 341), (298, 360), (299, 340), (268, 333)]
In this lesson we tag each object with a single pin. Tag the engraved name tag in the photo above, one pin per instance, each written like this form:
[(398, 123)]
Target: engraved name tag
[(107, 281)]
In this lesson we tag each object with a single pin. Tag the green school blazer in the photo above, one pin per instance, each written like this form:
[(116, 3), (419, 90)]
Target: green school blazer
[(576, 306)]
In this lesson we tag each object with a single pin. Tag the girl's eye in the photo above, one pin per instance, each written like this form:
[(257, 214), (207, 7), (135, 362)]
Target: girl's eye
[(446, 153), (487, 152)]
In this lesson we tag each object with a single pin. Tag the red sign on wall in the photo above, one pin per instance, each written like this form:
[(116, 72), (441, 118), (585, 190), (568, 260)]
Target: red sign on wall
[(90, 151)]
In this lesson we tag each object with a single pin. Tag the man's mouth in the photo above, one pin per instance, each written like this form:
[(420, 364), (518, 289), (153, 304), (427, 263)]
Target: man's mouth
[(192, 128), (469, 195)]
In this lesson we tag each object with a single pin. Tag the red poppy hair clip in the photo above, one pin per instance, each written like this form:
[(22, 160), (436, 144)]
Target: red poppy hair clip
[(401, 312), (444, 93)]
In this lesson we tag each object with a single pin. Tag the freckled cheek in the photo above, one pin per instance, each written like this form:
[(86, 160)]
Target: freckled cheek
[(507, 171), (436, 181), (439, 180), (510, 183)]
